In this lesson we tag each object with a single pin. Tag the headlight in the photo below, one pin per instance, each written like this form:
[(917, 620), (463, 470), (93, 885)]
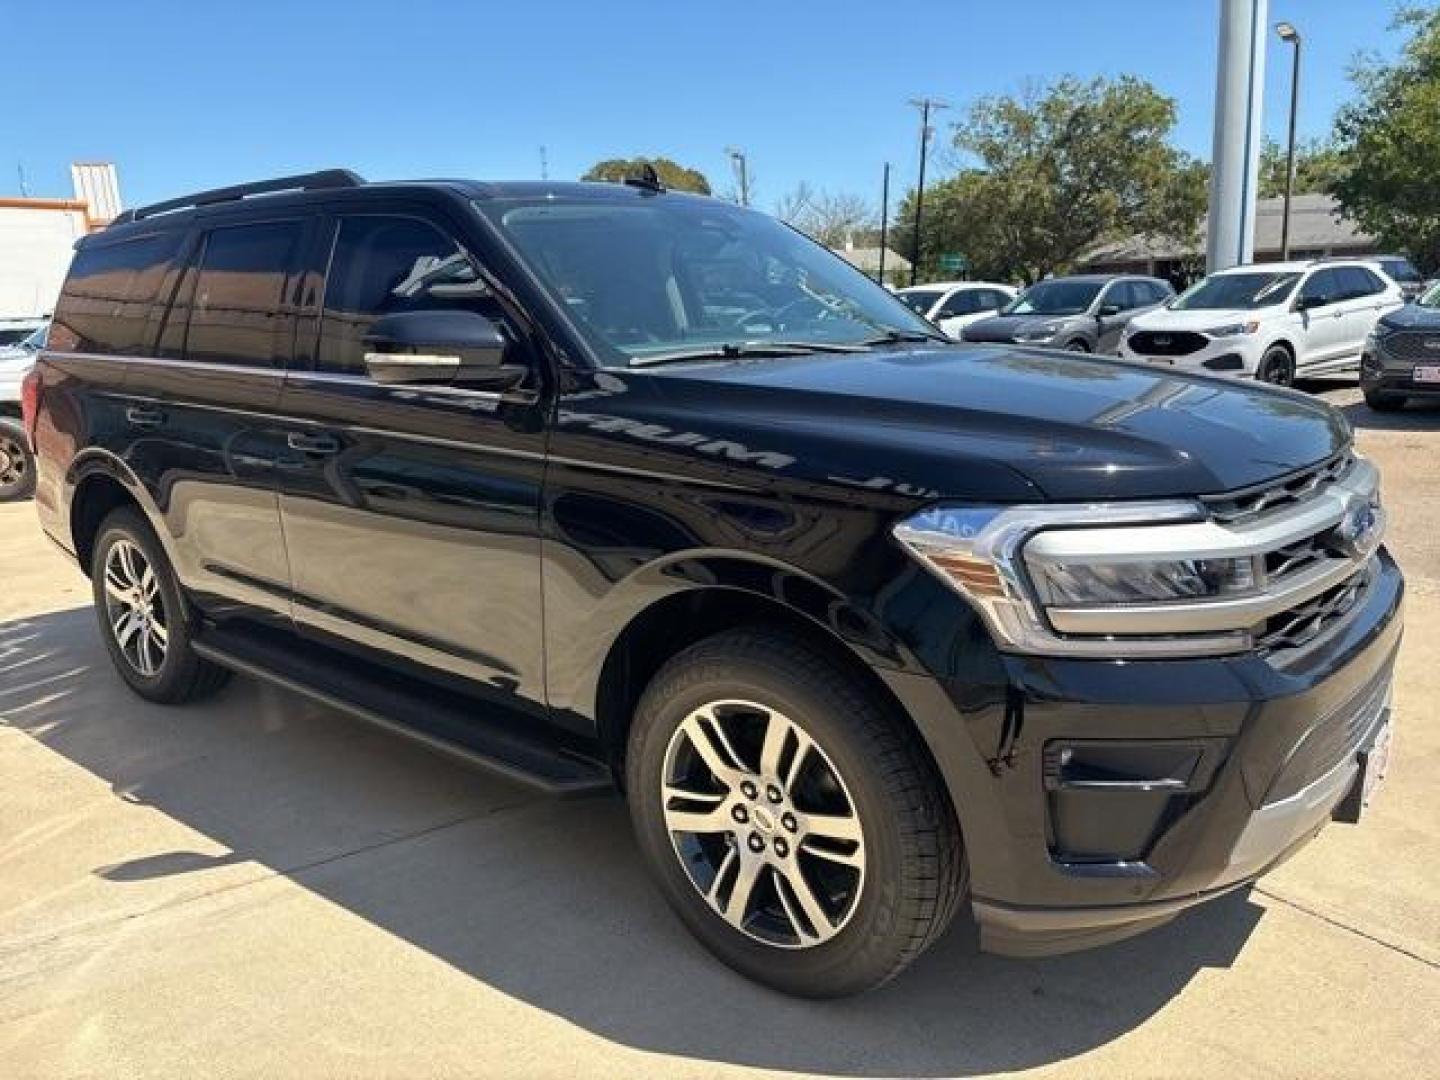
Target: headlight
[(1038, 333), (1233, 329), (1146, 579), (1122, 582), (978, 552)]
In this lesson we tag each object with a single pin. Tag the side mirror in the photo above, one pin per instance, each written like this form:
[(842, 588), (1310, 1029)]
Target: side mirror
[(1106, 310), (439, 347)]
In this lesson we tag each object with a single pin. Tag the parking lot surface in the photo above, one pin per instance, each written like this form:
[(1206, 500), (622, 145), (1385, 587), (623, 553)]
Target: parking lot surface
[(262, 887)]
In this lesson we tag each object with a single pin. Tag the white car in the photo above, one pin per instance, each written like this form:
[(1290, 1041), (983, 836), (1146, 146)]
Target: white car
[(1269, 321), (954, 305), (17, 464)]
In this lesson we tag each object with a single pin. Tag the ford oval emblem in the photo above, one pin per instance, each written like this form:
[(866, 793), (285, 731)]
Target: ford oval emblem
[(1358, 533)]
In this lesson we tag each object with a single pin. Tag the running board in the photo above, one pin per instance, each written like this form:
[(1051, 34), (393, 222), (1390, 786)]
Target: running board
[(440, 720)]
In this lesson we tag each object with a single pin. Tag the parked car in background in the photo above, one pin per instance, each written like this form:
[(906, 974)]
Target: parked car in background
[(1082, 313), (954, 305), (1401, 356), (1402, 271), (17, 465), (17, 329), (838, 601), (1269, 321)]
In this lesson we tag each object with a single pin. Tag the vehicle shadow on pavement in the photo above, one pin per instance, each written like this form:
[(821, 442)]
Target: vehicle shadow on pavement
[(544, 901), (1415, 416)]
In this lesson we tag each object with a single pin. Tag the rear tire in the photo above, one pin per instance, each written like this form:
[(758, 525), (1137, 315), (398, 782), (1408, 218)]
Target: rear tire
[(1277, 367), (144, 618), (1078, 345), (1383, 402), (17, 464), (813, 795)]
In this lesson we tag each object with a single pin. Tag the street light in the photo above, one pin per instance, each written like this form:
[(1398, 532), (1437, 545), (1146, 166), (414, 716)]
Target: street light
[(926, 106), (1288, 33)]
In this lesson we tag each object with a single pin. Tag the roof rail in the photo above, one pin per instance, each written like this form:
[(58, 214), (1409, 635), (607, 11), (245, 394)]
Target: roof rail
[(315, 181)]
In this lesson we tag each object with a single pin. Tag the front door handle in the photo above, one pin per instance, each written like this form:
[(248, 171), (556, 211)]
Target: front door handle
[(145, 416), (313, 444)]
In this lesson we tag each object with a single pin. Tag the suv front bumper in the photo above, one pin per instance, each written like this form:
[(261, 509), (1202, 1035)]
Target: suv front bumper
[(1101, 798), (1238, 356)]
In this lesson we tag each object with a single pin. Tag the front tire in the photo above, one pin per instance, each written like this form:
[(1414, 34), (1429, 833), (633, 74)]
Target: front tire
[(796, 827), (1277, 367), (143, 615), (17, 464)]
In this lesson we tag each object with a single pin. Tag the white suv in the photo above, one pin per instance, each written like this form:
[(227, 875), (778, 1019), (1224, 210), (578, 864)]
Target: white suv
[(954, 305), (1270, 321)]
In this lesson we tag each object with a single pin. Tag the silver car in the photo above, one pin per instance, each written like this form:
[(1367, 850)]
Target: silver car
[(1081, 313)]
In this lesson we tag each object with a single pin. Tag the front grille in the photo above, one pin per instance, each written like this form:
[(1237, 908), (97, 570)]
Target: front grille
[(1416, 345), (1166, 342), (1303, 624), (1332, 739), (1252, 502)]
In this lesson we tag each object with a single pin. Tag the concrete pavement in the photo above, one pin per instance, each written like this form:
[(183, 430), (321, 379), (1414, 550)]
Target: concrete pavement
[(262, 887)]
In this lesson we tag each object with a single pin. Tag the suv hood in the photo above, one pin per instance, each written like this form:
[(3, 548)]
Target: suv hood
[(1005, 327), (1413, 317), (1198, 320), (967, 423)]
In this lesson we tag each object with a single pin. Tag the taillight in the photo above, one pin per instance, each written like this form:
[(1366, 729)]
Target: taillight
[(30, 402)]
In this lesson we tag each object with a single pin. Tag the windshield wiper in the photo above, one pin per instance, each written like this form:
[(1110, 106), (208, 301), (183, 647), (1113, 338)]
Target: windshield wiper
[(896, 337), (732, 350)]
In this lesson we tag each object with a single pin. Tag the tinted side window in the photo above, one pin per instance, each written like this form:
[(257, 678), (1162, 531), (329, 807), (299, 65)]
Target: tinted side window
[(995, 300), (962, 303), (383, 265), (1155, 293), (1361, 282), (237, 311), (1323, 284), (106, 300)]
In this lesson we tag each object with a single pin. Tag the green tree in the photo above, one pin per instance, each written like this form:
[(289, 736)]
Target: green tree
[(1048, 175), (1318, 166), (672, 174), (1390, 135)]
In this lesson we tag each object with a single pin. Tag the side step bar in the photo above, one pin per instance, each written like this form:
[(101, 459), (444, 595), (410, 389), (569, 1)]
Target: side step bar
[(440, 720)]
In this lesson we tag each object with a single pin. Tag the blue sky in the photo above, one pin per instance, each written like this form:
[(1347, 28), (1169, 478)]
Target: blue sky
[(185, 96)]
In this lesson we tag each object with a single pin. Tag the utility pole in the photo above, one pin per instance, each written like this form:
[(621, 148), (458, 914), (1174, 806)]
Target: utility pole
[(926, 107), (1288, 33), (742, 173), (884, 220), (544, 164)]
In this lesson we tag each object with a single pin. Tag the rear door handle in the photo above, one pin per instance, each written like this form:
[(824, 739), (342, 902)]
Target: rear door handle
[(144, 416), (313, 444)]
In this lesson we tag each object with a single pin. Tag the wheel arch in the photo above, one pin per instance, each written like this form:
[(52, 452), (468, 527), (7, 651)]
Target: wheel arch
[(99, 483), (674, 622)]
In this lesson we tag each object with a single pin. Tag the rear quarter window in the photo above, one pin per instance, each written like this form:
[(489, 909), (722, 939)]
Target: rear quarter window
[(104, 306)]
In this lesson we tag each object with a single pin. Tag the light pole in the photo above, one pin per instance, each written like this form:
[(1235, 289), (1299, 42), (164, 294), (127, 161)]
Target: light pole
[(926, 106), (742, 169), (1288, 33), (884, 220)]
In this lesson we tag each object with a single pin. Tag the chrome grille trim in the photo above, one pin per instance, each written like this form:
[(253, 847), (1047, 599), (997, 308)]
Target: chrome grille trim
[(1251, 502), (1298, 534)]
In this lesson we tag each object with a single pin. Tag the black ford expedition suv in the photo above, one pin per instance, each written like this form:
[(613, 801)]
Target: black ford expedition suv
[(604, 483)]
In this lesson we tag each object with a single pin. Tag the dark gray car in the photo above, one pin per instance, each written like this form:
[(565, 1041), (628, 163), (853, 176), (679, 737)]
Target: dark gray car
[(1082, 313)]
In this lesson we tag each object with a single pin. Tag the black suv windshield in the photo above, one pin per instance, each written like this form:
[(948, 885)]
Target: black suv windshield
[(1231, 292), (1055, 298), (670, 276)]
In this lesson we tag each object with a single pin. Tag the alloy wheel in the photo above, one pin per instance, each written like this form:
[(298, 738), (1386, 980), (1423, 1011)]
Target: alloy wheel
[(763, 824), (135, 608), (14, 462)]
